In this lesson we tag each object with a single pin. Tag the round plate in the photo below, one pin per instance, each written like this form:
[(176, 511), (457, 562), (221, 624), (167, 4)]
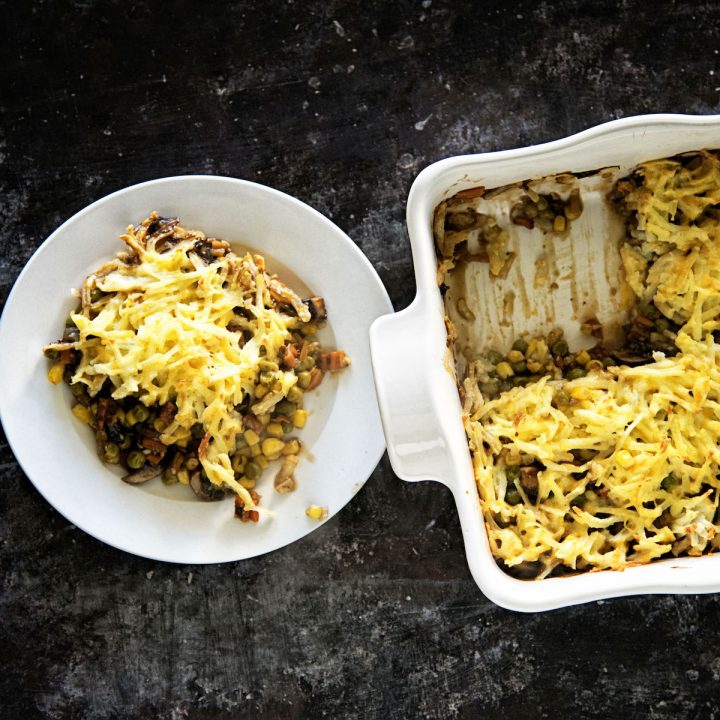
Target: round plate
[(343, 436)]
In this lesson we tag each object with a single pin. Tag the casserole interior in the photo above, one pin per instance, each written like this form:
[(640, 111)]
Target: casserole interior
[(425, 435)]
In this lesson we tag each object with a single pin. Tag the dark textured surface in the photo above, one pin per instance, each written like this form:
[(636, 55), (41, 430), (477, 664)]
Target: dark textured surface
[(339, 104)]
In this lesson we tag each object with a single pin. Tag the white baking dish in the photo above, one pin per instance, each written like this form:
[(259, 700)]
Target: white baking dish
[(418, 397)]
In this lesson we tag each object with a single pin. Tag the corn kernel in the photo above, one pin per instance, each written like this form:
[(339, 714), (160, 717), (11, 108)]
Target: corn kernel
[(262, 461), (300, 418), (559, 223), (583, 357), (159, 425), (255, 450), (183, 477), (624, 459), (272, 447), (55, 374), (261, 391), (251, 437), (515, 356), (504, 370), (81, 413), (238, 463), (534, 366), (274, 429), (292, 447), (316, 512)]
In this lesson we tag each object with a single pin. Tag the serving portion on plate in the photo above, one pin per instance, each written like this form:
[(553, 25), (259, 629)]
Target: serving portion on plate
[(200, 358), (191, 362)]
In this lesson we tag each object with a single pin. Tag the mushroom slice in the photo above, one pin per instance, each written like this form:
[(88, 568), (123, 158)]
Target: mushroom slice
[(285, 480), (204, 489), (143, 475)]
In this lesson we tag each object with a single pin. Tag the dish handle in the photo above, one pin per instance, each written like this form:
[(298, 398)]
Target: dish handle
[(403, 348)]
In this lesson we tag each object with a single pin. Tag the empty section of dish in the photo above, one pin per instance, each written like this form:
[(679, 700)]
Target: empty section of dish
[(549, 279)]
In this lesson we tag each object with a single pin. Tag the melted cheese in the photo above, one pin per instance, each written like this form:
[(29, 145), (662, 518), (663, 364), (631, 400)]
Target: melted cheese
[(674, 260), (163, 333), (628, 469), (649, 483)]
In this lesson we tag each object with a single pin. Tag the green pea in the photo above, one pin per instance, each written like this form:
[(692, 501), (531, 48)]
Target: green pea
[(561, 398), (519, 367), (303, 379), (252, 471), (112, 452), (662, 324), (669, 481), (560, 348), (285, 407), (520, 345), (295, 395), (135, 460), (575, 373), (268, 378), (307, 364), (77, 389), (141, 413), (490, 387), (494, 357), (512, 496)]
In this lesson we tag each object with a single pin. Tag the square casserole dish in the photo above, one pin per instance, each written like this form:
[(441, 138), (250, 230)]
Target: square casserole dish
[(414, 369)]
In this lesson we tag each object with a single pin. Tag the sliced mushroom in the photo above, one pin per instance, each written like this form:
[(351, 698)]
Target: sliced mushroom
[(316, 306), (529, 479), (143, 475), (284, 294), (630, 359), (204, 489), (526, 570), (285, 480)]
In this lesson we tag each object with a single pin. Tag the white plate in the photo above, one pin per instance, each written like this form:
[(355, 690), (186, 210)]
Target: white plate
[(343, 434)]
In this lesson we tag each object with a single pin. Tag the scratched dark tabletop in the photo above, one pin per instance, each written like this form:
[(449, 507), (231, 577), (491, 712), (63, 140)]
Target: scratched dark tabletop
[(374, 615)]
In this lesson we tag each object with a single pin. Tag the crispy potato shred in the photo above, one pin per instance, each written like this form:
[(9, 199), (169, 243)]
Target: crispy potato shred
[(219, 347), (618, 466)]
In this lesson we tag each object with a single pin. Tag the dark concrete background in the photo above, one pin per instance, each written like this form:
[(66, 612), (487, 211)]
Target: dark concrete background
[(339, 104)]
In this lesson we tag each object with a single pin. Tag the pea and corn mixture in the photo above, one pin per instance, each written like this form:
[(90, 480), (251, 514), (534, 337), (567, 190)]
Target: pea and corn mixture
[(608, 457), (191, 362)]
